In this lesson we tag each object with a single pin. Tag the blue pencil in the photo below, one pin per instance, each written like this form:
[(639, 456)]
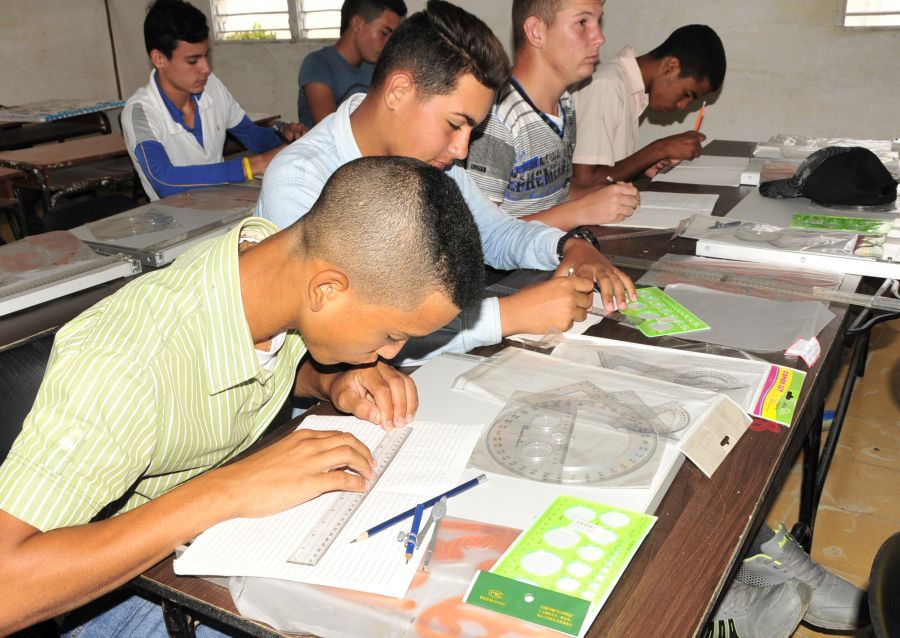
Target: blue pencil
[(459, 489), (414, 532)]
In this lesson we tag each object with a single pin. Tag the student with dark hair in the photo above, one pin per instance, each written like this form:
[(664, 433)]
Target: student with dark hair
[(175, 126), (434, 82), (333, 73), (684, 68), (150, 392)]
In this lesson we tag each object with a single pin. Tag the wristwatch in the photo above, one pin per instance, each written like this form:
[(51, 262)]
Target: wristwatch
[(578, 233)]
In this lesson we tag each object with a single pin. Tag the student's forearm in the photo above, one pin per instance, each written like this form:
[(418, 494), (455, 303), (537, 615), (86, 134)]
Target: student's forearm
[(565, 216), (45, 574), (587, 176)]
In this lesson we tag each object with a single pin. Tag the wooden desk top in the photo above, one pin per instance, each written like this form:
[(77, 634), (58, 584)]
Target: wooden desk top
[(83, 150)]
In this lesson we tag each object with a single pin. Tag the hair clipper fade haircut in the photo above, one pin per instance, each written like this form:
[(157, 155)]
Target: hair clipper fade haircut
[(168, 21), (438, 46), (545, 10), (700, 52), (368, 10), (400, 229)]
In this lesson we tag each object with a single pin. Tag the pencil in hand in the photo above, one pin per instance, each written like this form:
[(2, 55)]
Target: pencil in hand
[(700, 117)]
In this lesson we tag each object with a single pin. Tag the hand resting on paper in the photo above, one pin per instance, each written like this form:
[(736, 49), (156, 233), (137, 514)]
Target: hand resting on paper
[(296, 469), (377, 393), (589, 263)]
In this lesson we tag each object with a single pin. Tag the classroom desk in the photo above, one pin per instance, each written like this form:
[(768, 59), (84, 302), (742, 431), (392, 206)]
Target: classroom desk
[(57, 170), (704, 525)]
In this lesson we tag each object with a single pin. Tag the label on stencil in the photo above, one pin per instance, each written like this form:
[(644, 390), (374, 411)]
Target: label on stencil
[(528, 602), (778, 398), (807, 349)]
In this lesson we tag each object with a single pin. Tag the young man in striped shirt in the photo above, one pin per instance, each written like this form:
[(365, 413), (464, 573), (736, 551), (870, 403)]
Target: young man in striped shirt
[(521, 155), (149, 393)]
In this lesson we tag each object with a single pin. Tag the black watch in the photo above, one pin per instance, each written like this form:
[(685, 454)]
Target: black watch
[(579, 233)]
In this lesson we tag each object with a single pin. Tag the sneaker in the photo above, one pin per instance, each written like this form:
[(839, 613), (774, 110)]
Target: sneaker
[(759, 612), (835, 602)]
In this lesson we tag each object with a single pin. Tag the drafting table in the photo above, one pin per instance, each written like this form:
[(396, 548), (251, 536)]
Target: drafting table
[(704, 525), (53, 121)]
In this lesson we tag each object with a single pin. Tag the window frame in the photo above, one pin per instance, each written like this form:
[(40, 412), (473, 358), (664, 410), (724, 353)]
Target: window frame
[(295, 14), (845, 13)]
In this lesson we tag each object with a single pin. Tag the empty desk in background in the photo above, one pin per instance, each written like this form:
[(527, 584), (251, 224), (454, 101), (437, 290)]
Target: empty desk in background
[(56, 170), (53, 121), (704, 526)]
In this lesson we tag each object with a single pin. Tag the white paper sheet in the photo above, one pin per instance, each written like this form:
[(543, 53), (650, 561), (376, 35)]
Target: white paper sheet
[(666, 210), (430, 462), (708, 170)]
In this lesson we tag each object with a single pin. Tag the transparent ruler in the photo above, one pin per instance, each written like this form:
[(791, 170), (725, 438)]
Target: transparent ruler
[(873, 302), (330, 524)]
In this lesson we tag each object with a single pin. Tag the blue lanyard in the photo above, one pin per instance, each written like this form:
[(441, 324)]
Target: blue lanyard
[(556, 129)]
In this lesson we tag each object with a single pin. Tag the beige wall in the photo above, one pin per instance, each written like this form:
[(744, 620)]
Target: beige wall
[(791, 68), (54, 49)]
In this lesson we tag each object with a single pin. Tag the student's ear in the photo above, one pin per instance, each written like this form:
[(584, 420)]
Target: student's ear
[(671, 66), (398, 89), (356, 23), (534, 31), (326, 287), (158, 58)]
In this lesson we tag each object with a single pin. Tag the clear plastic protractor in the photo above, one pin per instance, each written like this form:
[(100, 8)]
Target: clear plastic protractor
[(565, 441)]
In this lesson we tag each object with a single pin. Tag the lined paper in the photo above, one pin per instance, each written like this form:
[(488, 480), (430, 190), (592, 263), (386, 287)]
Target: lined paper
[(709, 170), (666, 210), (431, 461)]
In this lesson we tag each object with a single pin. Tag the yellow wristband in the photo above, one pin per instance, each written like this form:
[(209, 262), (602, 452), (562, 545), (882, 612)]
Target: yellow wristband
[(248, 172)]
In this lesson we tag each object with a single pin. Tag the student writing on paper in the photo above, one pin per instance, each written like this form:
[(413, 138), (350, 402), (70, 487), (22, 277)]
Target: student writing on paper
[(521, 155), (175, 126), (687, 66), (333, 73), (434, 82), (151, 391)]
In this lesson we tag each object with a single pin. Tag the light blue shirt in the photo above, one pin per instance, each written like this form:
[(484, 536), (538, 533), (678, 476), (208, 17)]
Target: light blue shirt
[(296, 176)]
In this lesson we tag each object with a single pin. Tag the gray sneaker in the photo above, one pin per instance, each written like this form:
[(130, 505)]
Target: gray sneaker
[(835, 602), (759, 612)]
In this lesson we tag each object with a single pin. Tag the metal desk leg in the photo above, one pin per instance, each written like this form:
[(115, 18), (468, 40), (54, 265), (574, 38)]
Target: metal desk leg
[(177, 623), (809, 500)]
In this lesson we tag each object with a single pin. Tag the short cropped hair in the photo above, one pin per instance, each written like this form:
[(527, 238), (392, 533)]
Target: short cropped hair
[(438, 46), (546, 10), (368, 10), (700, 52), (399, 228), (168, 21)]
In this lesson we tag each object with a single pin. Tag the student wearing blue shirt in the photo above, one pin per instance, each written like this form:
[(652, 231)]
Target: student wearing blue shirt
[(333, 73), (175, 126)]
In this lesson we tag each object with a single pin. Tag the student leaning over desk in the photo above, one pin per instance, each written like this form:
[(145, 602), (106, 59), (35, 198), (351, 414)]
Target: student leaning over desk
[(148, 393), (434, 82), (175, 126), (687, 66)]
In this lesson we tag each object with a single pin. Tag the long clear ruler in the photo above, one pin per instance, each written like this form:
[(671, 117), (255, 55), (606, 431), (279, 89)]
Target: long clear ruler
[(330, 524), (759, 283)]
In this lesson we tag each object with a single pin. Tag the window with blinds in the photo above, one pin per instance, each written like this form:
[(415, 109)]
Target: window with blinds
[(872, 13), (266, 20)]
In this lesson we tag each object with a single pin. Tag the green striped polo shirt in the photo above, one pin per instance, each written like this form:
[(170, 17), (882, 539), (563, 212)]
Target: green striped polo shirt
[(145, 390)]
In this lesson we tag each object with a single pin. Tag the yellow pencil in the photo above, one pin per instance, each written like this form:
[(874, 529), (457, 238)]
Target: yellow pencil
[(700, 116)]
